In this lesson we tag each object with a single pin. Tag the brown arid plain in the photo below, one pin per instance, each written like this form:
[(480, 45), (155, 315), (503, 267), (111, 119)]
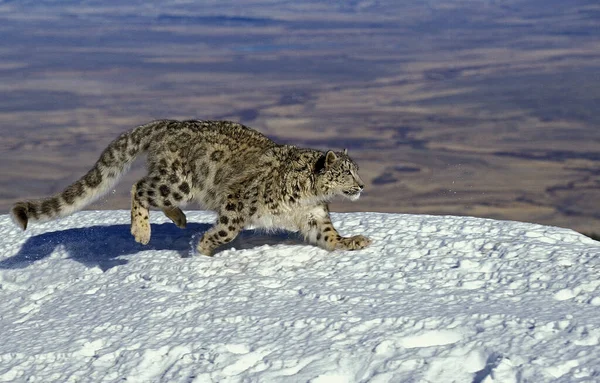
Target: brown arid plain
[(488, 109)]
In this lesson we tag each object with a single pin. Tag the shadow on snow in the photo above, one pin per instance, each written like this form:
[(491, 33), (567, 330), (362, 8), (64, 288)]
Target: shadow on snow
[(103, 245)]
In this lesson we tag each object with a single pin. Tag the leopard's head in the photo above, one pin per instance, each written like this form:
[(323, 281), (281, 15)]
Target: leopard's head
[(337, 175)]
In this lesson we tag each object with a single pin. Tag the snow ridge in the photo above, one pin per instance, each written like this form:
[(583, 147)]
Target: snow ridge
[(434, 299)]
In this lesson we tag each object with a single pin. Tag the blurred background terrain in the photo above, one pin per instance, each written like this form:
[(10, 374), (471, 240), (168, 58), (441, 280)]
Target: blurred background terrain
[(482, 108)]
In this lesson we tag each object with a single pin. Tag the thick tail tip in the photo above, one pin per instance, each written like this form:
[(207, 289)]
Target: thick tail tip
[(19, 214)]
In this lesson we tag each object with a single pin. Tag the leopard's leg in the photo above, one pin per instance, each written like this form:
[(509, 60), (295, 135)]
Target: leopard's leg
[(162, 191), (319, 230), (176, 215), (229, 224), (140, 216)]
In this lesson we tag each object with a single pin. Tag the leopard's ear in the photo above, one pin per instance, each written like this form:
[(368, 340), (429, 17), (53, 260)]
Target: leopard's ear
[(345, 151), (330, 158), (325, 161)]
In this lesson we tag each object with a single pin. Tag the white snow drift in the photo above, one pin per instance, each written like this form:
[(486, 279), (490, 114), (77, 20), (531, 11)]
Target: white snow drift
[(434, 299)]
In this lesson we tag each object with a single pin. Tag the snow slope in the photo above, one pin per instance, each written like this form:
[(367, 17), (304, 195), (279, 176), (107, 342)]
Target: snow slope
[(434, 299)]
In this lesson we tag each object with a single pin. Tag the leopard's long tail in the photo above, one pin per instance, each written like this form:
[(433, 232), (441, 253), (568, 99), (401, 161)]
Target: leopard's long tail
[(113, 163)]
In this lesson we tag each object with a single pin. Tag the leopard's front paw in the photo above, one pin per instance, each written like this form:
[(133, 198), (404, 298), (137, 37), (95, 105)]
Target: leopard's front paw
[(354, 243), (205, 247)]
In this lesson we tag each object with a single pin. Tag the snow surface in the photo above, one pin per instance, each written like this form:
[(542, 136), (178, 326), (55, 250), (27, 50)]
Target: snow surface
[(434, 299)]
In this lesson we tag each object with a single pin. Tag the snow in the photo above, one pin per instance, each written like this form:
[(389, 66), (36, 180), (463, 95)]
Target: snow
[(434, 299)]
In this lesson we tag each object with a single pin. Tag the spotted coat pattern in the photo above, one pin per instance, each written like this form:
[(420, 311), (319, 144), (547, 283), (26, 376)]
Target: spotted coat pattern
[(226, 167)]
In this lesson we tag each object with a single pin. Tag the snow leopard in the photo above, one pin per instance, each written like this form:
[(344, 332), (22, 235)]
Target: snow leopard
[(231, 169)]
